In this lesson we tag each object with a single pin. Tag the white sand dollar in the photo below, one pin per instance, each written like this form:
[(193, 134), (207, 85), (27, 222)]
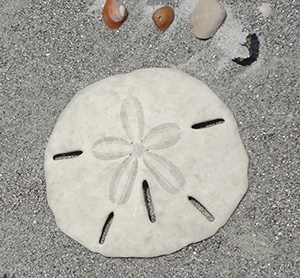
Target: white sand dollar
[(145, 163)]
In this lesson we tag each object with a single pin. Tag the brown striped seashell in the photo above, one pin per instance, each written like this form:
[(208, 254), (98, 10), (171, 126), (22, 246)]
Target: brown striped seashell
[(163, 17), (206, 18), (114, 14)]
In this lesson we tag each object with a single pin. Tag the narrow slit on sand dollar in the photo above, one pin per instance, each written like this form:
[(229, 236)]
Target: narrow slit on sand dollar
[(149, 202), (209, 123), (106, 227), (143, 164), (67, 155)]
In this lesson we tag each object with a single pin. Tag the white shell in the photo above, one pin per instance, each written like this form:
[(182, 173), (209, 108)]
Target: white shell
[(126, 129), (265, 9), (118, 14), (206, 18)]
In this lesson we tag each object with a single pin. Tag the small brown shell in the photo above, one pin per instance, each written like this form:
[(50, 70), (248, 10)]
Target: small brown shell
[(114, 14), (163, 17)]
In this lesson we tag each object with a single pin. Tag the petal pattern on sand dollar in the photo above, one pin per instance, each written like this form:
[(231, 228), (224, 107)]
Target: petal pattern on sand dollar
[(109, 148), (162, 136), (133, 119), (122, 181), (165, 172)]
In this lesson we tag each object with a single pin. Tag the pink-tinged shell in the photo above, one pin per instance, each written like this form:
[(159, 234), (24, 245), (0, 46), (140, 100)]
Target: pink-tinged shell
[(206, 18), (163, 17), (114, 14)]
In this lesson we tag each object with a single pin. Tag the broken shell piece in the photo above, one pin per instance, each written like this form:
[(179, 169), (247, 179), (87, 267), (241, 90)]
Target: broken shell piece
[(252, 43), (163, 17), (114, 14), (145, 163), (206, 18)]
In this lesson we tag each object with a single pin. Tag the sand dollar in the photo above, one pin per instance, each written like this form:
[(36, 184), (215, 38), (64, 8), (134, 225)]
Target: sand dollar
[(145, 163)]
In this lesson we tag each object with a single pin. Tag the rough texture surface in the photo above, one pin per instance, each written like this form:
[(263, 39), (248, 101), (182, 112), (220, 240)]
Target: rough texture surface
[(161, 126), (52, 49)]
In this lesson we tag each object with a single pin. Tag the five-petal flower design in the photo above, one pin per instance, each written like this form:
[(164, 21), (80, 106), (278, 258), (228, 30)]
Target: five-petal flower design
[(139, 147)]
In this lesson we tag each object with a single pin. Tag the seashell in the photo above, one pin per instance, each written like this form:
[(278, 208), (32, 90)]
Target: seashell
[(265, 9), (114, 14), (206, 18), (163, 17)]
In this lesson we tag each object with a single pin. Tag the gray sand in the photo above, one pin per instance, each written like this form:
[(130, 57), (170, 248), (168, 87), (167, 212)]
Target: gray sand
[(52, 49)]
